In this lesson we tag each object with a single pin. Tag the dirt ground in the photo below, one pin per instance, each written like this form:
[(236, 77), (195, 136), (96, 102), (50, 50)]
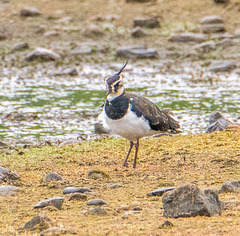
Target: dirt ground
[(210, 159)]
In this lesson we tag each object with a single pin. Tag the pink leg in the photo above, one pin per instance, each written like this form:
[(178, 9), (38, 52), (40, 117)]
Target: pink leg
[(136, 152), (131, 146)]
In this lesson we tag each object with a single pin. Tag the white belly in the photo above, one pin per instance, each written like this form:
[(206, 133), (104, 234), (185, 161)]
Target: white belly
[(130, 126)]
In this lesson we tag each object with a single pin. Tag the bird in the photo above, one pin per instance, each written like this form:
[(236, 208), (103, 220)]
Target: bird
[(133, 116)]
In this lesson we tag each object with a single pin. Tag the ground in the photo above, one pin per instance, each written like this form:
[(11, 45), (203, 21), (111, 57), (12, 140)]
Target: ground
[(207, 160)]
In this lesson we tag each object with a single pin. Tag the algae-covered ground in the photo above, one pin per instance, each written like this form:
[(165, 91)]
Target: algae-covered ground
[(207, 160)]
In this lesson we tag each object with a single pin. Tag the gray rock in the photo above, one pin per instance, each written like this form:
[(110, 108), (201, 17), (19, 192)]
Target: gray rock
[(42, 54), (97, 174), (217, 122), (36, 220), (188, 200), (114, 186), (212, 20), (97, 211), (138, 32), (221, 66), (206, 46), (51, 33), (230, 187), (166, 224), (53, 177), (161, 191), (29, 12), (7, 190), (93, 31), (6, 174), (65, 20), (77, 196), (55, 201), (20, 46), (76, 190), (188, 37), (237, 33), (97, 202), (213, 28), (57, 231), (146, 22), (221, 1), (136, 52), (3, 146), (126, 214)]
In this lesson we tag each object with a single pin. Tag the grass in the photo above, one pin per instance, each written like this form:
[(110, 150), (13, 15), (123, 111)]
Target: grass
[(207, 160)]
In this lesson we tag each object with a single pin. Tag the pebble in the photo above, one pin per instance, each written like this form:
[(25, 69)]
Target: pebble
[(36, 220), (53, 177), (123, 207), (212, 20), (76, 190), (8, 190), (126, 214), (161, 191), (96, 174), (55, 201), (188, 37), (221, 1), (221, 66), (77, 196), (29, 12), (97, 202), (42, 54), (230, 187), (93, 31), (20, 46), (114, 186), (213, 28), (57, 231), (6, 174), (166, 224), (237, 33), (97, 211), (206, 46), (51, 33), (136, 52), (138, 32), (146, 22)]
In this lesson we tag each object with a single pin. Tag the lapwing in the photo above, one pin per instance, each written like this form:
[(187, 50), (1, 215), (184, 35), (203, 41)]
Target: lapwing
[(133, 116)]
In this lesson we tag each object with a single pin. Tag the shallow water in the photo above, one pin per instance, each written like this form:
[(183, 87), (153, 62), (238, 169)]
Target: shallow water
[(40, 105)]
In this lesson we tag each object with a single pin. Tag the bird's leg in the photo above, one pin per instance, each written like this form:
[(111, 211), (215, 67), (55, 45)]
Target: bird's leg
[(131, 146), (136, 152)]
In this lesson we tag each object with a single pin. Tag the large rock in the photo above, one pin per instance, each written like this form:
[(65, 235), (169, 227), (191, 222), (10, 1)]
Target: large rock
[(217, 122), (29, 12), (42, 54), (136, 52), (53, 177), (188, 200), (188, 37), (37, 220), (230, 187), (212, 20), (6, 175), (221, 66), (56, 202), (146, 22)]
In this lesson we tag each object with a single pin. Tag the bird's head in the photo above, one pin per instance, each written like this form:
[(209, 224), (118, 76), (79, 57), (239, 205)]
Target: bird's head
[(114, 85)]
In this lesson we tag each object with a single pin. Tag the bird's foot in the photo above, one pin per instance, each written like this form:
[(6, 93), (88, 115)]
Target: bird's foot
[(125, 164), (134, 166)]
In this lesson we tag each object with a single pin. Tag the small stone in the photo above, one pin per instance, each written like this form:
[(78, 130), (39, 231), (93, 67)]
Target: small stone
[(136, 52), (56, 202), (112, 17), (53, 177), (126, 214), (29, 12), (188, 37), (8, 190), (189, 201), (212, 20), (77, 196), (146, 22), (3, 146), (76, 190), (213, 28), (206, 46), (72, 72), (123, 207), (6, 174), (57, 231), (161, 191), (166, 224), (93, 31), (51, 33), (221, 66), (221, 1), (65, 20), (217, 122), (114, 186), (138, 32), (42, 220), (237, 33), (20, 46), (230, 187), (96, 174), (97, 211), (42, 54), (97, 202)]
